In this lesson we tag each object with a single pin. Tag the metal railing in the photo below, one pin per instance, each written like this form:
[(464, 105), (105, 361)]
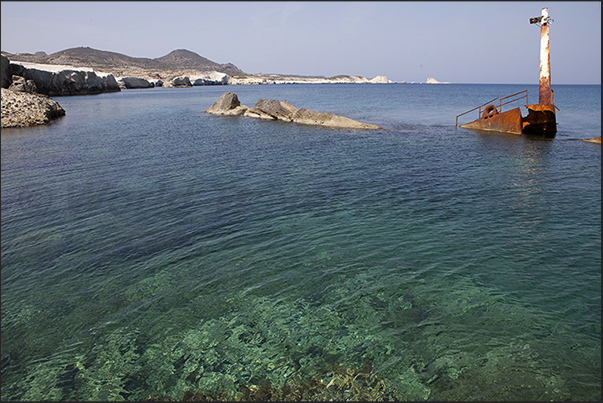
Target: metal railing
[(471, 110), (500, 104), (513, 100)]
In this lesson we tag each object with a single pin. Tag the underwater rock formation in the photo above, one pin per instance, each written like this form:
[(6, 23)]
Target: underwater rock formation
[(594, 140), (334, 384)]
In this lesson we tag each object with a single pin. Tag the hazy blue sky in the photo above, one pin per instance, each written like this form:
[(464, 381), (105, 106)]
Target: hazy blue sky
[(461, 42)]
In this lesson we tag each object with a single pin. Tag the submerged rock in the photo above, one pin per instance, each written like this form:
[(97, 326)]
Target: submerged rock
[(22, 109), (308, 117), (338, 383), (593, 140), (229, 105)]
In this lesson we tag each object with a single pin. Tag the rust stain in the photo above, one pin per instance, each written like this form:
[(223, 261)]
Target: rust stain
[(492, 119), (545, 60)]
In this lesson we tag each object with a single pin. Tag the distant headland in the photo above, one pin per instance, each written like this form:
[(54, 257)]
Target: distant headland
[(28, 80), (179, 68)]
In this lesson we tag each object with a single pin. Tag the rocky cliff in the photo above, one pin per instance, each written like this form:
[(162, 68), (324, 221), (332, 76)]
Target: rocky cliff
[(59, 79)]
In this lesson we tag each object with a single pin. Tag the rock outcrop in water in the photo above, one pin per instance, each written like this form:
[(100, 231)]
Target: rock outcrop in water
[(22, 106), (22, 109), (134, 83), (593, 140), (431, 80), (229, 105)]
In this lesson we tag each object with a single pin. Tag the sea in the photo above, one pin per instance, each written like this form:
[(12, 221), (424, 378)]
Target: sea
[(150, 250)]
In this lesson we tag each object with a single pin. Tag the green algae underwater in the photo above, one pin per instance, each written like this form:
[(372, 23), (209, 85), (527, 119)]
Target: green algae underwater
[(156, 252)]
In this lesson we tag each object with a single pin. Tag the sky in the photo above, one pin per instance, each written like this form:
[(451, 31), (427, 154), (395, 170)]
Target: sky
[(459, 42)]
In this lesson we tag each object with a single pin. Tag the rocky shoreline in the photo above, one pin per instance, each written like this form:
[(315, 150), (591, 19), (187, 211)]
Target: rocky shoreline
[(27, 86), (55, 79), (23, 109)]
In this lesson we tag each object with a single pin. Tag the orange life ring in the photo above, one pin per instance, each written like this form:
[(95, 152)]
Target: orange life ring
[(489, 111)]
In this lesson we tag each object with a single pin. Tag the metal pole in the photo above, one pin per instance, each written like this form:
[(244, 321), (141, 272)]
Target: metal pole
[(545, 60)]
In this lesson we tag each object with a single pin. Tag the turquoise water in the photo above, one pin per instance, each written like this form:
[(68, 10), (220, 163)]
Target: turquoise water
[(149, 249)]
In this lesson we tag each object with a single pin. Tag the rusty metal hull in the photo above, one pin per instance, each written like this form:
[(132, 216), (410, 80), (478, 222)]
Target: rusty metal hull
[(506, 122), (540, 120), (541, 117)]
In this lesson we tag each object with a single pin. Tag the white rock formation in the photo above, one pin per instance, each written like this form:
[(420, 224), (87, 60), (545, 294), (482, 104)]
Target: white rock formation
[(57, 68), (381, 80), (280, 79), (431, 80), (211, 78)]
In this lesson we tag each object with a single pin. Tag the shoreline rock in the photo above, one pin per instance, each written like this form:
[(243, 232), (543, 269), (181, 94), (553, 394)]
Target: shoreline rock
[(266, 79), (23, 109), (268, 109), (134, 83), (178, 82), (62, 80)]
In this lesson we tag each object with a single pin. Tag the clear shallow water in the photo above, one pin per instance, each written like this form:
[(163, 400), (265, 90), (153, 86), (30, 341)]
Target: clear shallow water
[(149, 248)]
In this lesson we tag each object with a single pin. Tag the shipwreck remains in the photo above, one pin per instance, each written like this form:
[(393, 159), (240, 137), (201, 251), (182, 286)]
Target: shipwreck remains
[(541, 117)]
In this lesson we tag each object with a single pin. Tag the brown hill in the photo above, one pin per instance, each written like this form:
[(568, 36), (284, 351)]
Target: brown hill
[(104, 60)]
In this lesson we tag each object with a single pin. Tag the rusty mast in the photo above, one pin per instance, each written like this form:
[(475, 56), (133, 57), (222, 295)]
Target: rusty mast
[(545, 96), (541, 118)]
